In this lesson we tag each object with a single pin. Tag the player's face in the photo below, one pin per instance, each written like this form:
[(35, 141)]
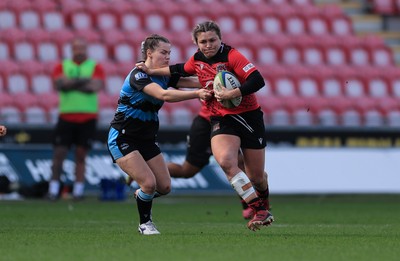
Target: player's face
[(160, 56), (208, 43), (79, 50)]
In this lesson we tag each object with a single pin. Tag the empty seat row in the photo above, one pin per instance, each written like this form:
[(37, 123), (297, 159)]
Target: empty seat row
[(263, 49), (340, 111), (284, 80), (278, 111), (326, 81), (261, 16)]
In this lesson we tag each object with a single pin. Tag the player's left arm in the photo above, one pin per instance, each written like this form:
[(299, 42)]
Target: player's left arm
[(253, 80)]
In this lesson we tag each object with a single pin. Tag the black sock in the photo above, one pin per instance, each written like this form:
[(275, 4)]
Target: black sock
[(263, 194), (256, 204), (144, 208), (244, 204)]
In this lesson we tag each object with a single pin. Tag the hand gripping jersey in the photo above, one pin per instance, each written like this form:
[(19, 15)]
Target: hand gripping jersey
[(227, 59)]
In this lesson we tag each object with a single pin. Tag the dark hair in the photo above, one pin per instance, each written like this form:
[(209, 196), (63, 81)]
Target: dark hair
[(151, 42), (205, 27)]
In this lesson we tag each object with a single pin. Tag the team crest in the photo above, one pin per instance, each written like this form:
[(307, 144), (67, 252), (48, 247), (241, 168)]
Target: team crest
[(221, 67), (140, 75)]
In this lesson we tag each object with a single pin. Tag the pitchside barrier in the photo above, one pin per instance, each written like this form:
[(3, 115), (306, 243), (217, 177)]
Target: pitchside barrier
[(291, 170)]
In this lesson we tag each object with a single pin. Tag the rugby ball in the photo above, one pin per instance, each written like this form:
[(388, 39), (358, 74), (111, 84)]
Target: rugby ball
[(229, 81)]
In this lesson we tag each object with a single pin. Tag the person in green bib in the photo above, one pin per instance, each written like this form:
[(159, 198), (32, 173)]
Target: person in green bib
[(78, 81)]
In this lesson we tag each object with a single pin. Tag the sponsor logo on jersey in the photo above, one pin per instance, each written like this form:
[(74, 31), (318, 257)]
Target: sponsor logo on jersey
[(215, 127), (140, 75), (248, 67)]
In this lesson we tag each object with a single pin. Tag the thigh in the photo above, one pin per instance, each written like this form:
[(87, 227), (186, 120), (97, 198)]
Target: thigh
[(63, 133), (225, 150)]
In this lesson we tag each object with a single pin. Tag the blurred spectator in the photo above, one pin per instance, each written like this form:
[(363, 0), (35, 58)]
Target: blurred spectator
[(78, 81)]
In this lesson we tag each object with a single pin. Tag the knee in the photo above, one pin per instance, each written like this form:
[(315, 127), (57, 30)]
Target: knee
[(258, 180), (148, 187), (225, 163), (164, 190)]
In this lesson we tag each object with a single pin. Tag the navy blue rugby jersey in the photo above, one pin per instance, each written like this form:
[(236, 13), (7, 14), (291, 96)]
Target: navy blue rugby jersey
[(135, 107)]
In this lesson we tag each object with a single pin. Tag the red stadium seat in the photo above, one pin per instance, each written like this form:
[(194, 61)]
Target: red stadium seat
[(114, 78), (26, 100), (271, 22), (51, 17), (371, 115), (21, 48), (46, 48), (339, 23), (378, 85), (35, 115), (269, 51), (312, 52), (307, 84), (384, 7), (77, 15), (280, 117), (5, 49), (131, 19), (10, 114), (291, 53), (382, 56), (26, 17), (393, 119), (293, 20), (30, 18), (180, 20), (285, 84), (353, 83), (105, 17), (335, 53), (8, 18), (154, 17), (6, 100), (316, 23), (17, 82)]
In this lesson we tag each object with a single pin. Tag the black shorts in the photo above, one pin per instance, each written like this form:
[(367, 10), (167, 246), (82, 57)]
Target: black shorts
[(198, 151), (248, 126), (120, 145), (72, 133)]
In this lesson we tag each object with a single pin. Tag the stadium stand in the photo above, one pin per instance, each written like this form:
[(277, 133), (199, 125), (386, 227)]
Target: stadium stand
[(319, 70)]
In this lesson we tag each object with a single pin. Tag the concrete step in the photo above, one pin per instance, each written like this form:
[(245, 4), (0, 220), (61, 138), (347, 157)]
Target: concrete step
[(367, 23)]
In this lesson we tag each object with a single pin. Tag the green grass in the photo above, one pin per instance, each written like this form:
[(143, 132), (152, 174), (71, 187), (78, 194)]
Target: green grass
[(346, 227)]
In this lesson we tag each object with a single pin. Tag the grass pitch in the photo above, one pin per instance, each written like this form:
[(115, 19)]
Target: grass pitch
[(342, 227)]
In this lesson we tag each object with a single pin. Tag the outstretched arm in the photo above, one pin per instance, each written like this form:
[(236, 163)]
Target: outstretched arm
[(171, 95)]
